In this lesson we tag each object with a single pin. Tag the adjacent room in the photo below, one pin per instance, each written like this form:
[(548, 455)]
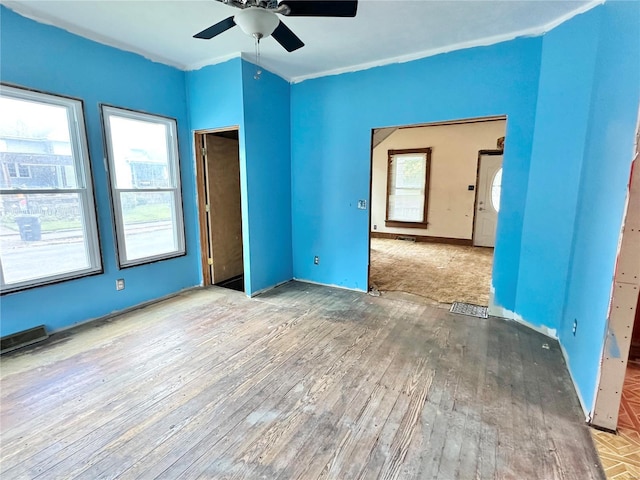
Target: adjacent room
[(200, 202), (435, 197)]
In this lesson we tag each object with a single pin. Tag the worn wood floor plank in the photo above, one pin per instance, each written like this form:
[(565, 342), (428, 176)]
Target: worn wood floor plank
[(142, 367), (269, 444), (302, 382), (336, 418), (281, 456), (183, 420), (108, 412)]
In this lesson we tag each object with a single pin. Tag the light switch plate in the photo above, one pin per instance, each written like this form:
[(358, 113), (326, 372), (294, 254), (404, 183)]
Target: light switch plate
[(362, 204)]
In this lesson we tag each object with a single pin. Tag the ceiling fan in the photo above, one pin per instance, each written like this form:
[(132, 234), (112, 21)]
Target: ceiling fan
[(259, 19)]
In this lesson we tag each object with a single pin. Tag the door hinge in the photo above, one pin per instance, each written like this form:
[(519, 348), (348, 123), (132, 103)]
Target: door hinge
[(204, 152), (206, 208), (209, 261)]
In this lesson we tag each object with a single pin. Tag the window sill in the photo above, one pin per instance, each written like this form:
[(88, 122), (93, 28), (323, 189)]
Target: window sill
[(392, 223), (9, 289), (147, 260)]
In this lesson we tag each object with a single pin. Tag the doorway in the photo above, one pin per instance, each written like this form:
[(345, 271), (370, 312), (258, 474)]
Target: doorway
[(488, 188), (422, 240), (219, 206)]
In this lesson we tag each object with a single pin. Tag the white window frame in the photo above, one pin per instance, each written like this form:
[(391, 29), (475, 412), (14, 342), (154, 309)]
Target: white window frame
[(84, 186), (174, 172)]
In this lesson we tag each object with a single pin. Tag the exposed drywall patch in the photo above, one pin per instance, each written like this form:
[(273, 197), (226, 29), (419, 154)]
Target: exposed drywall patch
[(212, 61), (613, 349), (496, 310)]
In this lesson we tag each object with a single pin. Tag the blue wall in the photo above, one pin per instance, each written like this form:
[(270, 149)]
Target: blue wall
[(562, 117), (331, 123), (268, 169), (215, 95), (571, 98), (603, 187), (49, 59), (225, 95), (215, 101)]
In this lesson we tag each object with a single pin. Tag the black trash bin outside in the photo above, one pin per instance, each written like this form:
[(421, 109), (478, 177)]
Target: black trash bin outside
[(30, 228)]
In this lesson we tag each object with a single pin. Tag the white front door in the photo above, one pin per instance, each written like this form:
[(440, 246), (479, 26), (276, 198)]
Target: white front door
[(488, 200)]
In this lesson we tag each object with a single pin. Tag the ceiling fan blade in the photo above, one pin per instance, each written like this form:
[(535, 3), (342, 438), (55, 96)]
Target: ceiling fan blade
[(285, 37), (321, 8), (216, 29)]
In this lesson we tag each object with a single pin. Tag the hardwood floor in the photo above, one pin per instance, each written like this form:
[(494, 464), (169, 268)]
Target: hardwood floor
[(302, 382)]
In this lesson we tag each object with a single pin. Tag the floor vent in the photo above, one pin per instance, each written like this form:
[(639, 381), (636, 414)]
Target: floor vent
[(406, 238), (469, 309), (22, 339)]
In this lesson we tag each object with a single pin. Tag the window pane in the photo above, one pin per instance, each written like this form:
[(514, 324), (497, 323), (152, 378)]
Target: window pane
[(407, 192), (140, 154), (42, 235), (496, 189), (150, 226), (145, 185), (35, 151), (409, 171)]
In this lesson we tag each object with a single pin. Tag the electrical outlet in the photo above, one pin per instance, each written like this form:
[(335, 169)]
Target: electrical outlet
[(120, 284), (316, 260), (375, 227), (575, 327), (362, 204)]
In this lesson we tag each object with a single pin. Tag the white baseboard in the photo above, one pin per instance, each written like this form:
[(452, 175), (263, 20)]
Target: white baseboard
[(329, 285)]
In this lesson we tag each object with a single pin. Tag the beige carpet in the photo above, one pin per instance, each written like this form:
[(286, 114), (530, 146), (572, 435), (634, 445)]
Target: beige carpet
[(440, 272)]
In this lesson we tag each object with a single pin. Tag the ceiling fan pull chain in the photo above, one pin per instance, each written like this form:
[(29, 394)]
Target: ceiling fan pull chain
[(258, 69)]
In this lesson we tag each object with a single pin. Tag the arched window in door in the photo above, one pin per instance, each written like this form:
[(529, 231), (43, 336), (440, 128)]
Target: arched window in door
[(496, 188)]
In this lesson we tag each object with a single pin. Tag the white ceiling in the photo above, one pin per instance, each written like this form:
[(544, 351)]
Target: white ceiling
[(384, 31)]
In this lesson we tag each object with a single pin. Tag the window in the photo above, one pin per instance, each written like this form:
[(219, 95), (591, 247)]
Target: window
[(145, 185), (48, 229), (408, 187), (496, 188), (23, 171)]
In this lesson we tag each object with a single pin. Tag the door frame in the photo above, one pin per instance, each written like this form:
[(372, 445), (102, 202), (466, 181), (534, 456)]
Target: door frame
[(202, 198), (488, 118), (475, 199)]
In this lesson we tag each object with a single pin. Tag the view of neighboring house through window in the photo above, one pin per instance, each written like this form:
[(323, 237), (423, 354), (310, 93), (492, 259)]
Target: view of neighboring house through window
[(407, 187), (145, 183), (48, 227)]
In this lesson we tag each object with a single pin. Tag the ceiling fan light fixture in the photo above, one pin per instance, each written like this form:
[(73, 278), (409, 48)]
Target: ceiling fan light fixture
[(257, 22)]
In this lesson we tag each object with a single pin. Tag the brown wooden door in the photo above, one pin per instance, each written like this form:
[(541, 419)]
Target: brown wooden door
[(225, 215)]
